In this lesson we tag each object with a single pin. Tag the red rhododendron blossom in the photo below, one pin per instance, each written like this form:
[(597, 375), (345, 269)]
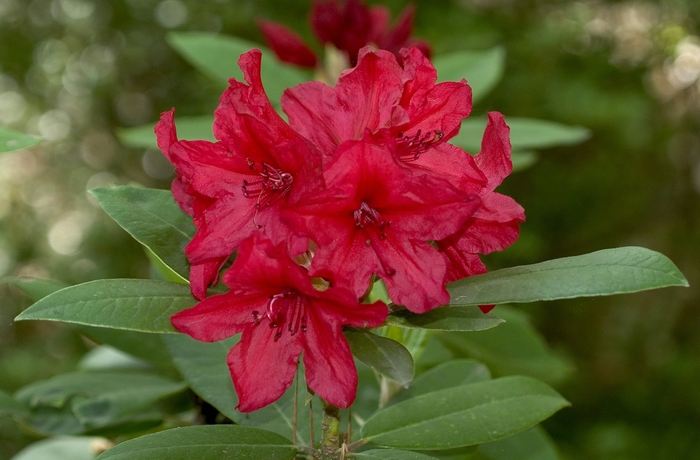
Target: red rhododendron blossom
[(280, 314), (236, 187), (404, 103), (376, 217), (349, 26), (495, 225), (287, 45)]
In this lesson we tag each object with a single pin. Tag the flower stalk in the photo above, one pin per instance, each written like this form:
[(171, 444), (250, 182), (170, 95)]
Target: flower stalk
[(330, 431)]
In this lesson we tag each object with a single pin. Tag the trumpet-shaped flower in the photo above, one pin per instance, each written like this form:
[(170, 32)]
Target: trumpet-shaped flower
[(281, 316), (235, 187)]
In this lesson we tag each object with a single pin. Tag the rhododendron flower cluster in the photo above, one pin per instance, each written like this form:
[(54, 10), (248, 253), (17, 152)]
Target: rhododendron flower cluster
[(348, 25), (360, 184)]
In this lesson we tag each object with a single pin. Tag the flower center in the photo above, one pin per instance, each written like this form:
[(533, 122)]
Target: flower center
[(367, 217), (272, 184), (411, 147), (286, 308)]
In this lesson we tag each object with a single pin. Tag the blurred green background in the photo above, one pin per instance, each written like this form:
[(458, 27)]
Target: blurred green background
[(76, 71)]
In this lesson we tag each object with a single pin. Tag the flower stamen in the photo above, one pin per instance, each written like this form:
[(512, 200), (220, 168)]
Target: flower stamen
[(272, 184), (411, 147), (365, 217), (288, 307)]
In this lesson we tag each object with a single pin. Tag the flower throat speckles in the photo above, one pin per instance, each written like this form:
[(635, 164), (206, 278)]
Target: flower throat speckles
[(368, 218)]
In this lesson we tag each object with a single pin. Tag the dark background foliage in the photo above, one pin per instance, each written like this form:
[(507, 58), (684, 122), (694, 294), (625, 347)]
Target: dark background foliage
[(76, 71)]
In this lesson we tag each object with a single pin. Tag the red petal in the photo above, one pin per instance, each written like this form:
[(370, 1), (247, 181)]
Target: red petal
[(393, 40), (204, 275), (166, 135), (262, 368), (363, 99), (330, 368), (287, 45), (217, 317), (494, 158)]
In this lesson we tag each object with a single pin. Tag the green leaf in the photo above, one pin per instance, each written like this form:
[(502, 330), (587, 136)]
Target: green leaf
[(525, 134), (203, 366), (132, 304), (465, 415), (10, 141), (450, 374), (35, 288), (99, 398), (533, 444), (217, 56), (523, 160), (512, 348), (63, 448), (606, 272), (212, 442), (460, 453), (448, 318), (391, 454), (142, 345), (482, 69), (154, 219), (196, 127), (106, 358), (385, 356), (10, 406)]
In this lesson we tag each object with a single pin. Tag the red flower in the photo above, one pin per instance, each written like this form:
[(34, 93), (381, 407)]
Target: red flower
[(349, 26), (376, 217), (495, 225), (405, 105), (236, 187), (280, 314), (287, 45)]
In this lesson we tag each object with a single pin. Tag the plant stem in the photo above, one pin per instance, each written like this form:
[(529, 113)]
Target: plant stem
[(330, 430)]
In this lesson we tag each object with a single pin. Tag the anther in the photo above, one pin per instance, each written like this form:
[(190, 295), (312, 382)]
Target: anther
[(410, 148)]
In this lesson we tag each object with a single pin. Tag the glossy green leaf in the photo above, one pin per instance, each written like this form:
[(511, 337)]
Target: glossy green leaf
[(514, 347), (203, 366), (533, 444), (211, 442), (525, 134), (459, 453), (106, 358), (154, 219), (195, 127), (606, 272), (482, 69), (143, 345), (35, 288), (468, 318), (99, 398), (10, 141), (10, 406), (385, 356), (450, 374), (132, 304), (217, 56), (391, 454), (63, 448), (464, 415)]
